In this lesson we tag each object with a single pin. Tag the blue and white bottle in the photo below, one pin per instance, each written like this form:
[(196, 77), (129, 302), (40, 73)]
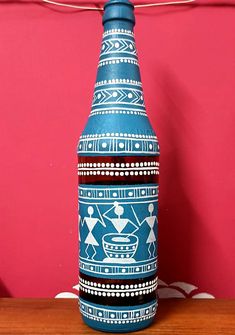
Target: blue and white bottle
[(118, 188)]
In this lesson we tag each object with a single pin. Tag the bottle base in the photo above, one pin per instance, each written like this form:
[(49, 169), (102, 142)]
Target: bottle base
[(117, 328), (118, 319)]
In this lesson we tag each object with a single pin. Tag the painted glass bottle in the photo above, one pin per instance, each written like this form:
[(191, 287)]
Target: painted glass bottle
[(118, 188)]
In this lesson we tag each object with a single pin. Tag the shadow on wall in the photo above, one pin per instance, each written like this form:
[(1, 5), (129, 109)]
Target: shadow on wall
[(177, 214), (4, 292)]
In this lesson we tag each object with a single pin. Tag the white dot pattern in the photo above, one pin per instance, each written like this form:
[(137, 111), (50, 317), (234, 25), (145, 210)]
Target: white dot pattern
[(123, 169), (118, 81), (113, 111), (118, 135), (118, 60), (118, 31), (144, 288)]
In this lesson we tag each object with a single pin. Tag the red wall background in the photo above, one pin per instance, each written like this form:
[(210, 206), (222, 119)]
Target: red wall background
[(48, 59)]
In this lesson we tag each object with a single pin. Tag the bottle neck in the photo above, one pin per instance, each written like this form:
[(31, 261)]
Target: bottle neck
[(118, 56), (118, 110)]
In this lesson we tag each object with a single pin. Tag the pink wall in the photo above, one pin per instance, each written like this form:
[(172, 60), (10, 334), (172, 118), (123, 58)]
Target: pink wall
[(48, 59)]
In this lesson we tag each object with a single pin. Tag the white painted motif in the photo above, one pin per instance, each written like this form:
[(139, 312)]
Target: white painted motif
[(118, 60), (118, 110), (117, 316), (118, 173), (121, 135), (175, 289), (120, 248), (96, 267), (118, 31), (151, 238), (118, 45), (118, 95), (116, 144), (118, 169), (116, 290), (90, 239), (114, 111), (118, 81), (121, 166), (122, 193)]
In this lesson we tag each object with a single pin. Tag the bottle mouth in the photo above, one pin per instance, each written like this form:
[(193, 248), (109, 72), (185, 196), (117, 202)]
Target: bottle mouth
[(118, 10), (121, 2)]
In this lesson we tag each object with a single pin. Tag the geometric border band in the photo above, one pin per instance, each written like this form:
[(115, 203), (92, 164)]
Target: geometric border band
[(118, 316)]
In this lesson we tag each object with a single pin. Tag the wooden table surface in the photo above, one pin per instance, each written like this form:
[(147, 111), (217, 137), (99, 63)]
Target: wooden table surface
[(61, 316)]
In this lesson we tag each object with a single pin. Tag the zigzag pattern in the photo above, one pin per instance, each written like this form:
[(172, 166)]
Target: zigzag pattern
[(118, 95), (118, 46)]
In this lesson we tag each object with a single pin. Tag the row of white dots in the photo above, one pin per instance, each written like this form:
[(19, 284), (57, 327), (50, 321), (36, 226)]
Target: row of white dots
[(117, 165), (117, 173), (115, 194), (118, 294), (117, 112), (118, 81), (118, 31), (119, 134), (118, 286), (117, 61), (119, 322)]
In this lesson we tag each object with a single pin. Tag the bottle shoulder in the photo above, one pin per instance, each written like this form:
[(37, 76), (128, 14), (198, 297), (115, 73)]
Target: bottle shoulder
[(112, 135)]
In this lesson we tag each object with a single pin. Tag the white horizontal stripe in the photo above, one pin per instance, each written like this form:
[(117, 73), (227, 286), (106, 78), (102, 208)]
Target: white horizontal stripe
[(118, 88), (118, 138), (117, 151), (118, 103), (118, 33), (144, 187), (114, 108), (122, 169), (111, 200), (145, 262), (98, 84), (116, 58)]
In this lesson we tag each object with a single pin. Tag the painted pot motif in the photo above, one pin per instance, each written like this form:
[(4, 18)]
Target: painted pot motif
[(118, 171), (120, 248)]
